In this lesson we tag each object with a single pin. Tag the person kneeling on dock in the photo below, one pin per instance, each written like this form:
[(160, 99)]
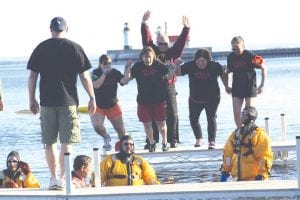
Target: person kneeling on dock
[(17, 174), (247, 154), (126, 168)]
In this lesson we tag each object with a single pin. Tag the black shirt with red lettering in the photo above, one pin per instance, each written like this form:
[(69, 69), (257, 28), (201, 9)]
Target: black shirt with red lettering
[(106, 95), (150, 82), (203, 82), (58, 61), (244, 75)]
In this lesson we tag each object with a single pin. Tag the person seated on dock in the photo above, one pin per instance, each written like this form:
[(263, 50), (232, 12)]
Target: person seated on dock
[(105, 82), (17, 174), (81, 175), (247, 154), (126, 168)]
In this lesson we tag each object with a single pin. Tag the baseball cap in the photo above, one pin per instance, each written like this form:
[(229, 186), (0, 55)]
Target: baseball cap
[(58, 24)]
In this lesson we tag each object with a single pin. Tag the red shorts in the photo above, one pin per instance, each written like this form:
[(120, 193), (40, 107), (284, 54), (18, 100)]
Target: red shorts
[(156, 112), (111, 113)]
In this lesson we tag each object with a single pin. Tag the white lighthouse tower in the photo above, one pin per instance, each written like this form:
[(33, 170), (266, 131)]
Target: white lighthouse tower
[(126, 37)]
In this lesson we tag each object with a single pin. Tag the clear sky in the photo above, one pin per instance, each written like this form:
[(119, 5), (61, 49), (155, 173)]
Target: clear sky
[(97, 25)]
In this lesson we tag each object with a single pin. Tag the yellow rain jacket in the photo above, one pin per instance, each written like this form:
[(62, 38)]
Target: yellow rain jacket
[(114, 172), (21, 181), (255, 155)]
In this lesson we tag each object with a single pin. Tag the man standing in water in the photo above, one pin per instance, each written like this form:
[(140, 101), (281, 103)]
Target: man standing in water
[(58, 61)]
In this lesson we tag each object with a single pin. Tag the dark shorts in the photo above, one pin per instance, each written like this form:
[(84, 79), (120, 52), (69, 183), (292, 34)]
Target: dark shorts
[(152, 112), (245, 92), (60, 119)]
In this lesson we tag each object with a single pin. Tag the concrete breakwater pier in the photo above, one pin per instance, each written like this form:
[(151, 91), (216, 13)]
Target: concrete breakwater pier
[(121, 56)]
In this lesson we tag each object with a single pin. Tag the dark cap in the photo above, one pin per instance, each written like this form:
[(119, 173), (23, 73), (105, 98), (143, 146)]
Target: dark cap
[(58, 24)]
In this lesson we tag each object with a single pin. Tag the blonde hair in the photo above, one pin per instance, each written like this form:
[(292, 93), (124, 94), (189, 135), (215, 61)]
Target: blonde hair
[(238, 39)]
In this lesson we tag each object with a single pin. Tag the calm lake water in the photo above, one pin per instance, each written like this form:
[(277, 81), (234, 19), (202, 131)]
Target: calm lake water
[(21, 132)]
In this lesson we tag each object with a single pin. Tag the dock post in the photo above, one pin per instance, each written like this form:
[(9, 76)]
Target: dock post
[(96, 167), (283, 128), (284, 154), (267, 125), (68, 173), (298, 158)]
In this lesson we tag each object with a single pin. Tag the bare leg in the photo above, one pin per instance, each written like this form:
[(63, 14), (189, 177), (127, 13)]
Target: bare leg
[(97, 121), (65, 148), (237, 107), (162, 127), (250, 101), (149, 131), (51, 157), (118, 126)]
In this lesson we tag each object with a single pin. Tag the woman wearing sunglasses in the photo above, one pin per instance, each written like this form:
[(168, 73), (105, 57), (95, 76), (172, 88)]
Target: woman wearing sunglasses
[(126, 168), (17, 174)]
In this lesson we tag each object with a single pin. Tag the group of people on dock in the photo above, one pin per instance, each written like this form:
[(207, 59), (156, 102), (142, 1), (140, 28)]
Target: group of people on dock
[(58, 61)]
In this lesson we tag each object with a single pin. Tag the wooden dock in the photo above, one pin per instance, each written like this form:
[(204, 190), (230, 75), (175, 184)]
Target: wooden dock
[(274, 188)]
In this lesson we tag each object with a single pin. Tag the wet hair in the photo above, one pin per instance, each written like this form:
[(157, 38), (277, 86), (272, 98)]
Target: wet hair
[(147, 50), (80, 161), (103, 58), (204, 53), (125, 137), (238, 39)]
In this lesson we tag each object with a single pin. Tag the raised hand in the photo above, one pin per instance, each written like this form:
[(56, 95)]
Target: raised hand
[(146, 16), (185, 22), (128, 65)]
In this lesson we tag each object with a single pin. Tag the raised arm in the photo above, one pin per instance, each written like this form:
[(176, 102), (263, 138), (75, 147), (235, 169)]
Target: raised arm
[(179, 45), (88, 86), (146, 35), (127, 70)]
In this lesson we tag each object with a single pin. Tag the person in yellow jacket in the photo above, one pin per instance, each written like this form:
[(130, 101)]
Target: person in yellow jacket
[(17, 174), (126, 168), (247, 154)]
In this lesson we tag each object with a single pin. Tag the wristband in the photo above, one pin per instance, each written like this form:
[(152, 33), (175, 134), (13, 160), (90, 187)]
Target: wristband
[(92, 98)]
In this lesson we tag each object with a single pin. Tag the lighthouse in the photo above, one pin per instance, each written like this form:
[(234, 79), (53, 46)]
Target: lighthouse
[(126, 40)]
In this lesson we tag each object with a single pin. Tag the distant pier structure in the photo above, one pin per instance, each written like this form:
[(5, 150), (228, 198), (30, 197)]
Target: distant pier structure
[(122, 56)]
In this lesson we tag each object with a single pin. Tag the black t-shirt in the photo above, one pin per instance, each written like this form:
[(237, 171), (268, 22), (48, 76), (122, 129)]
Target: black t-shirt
[(59, 61), (106, 95), (203, 82), (150, 82), (244, 75)]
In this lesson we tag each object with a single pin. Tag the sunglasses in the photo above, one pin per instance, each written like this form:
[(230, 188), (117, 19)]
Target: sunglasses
[(128, 144), (163, 43), (12, 161)]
